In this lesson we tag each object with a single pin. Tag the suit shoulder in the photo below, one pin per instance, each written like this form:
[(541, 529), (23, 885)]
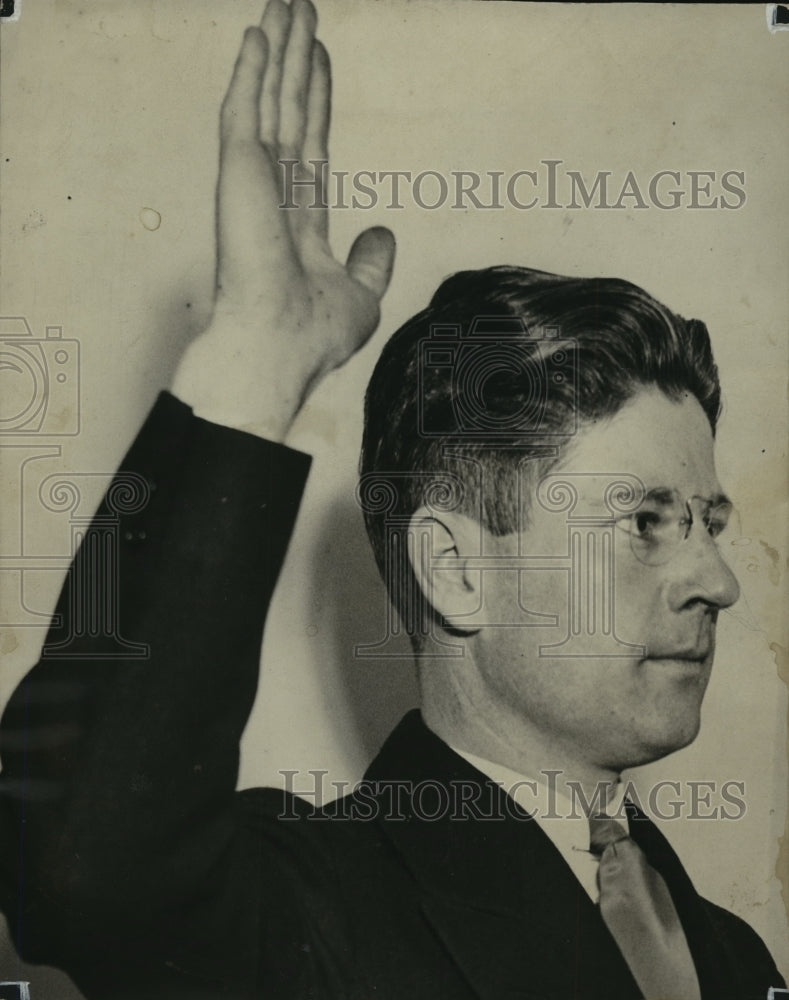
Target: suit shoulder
[(269, 803), (280, 815), (745, 943)]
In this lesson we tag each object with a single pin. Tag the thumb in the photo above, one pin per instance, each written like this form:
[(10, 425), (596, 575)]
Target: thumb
[(371, 259)]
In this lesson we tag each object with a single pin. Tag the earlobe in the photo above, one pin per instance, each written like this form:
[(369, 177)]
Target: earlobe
[(438, 550)]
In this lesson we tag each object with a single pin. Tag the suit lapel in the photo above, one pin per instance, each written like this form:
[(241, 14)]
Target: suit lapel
[(499, 895), (494, 889)]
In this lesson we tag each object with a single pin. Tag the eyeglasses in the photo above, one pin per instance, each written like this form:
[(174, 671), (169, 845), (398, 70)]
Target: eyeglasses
[(664, 519)]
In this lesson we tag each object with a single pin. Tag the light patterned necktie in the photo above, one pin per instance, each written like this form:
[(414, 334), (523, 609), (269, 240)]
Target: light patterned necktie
[(637, 908)]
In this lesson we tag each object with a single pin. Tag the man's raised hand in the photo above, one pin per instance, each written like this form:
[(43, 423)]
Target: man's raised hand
[(285, 311)]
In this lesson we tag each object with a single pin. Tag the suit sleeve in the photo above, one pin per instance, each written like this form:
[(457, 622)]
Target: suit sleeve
[(756, 969), (117, 793)]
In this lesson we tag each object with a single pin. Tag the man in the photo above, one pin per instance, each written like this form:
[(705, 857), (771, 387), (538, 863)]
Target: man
[(137, 868)]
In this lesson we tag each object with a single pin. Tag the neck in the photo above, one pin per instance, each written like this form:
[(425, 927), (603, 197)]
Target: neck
[(469, 721)]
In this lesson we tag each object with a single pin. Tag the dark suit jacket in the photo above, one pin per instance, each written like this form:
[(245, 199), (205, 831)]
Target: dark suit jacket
[(130, 861)]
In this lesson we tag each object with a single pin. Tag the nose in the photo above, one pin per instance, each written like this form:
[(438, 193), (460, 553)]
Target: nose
[(703, 574)]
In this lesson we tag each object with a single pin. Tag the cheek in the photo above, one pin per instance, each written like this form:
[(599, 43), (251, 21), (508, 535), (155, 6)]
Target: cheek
[(527, 600), (637, 591)]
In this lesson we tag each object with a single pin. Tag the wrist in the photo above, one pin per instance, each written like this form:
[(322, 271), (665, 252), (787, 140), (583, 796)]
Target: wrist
[(250, 398)]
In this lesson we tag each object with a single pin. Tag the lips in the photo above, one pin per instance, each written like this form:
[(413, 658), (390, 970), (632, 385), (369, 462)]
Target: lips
[(696, 652), (696, 648), (695, 655)]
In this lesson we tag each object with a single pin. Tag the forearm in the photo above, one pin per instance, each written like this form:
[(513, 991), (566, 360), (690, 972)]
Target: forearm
[(119, 774), (116, 799)]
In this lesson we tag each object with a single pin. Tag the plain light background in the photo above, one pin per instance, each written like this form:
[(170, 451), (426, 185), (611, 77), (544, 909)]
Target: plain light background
[(109, 109)]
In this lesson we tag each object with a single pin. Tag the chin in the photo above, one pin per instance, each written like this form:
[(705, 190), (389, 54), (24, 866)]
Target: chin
[(680, 734), (675, 717), (660, 739)]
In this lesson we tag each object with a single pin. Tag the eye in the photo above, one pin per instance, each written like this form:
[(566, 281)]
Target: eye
[(644, 524), (716, 520)]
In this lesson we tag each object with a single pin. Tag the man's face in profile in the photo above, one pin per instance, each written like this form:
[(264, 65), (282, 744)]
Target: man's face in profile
[(669, 582)]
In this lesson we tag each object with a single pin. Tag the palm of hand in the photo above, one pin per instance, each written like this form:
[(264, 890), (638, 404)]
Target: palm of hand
[(286, 311)]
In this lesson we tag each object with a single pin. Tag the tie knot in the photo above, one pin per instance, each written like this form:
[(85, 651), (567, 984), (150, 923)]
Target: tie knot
[(604, 831)]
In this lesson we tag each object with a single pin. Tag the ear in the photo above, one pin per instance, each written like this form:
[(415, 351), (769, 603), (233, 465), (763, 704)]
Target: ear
[(439, 548)]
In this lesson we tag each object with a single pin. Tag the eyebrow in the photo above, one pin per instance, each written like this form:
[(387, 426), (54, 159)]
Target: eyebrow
[(665, 495)]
